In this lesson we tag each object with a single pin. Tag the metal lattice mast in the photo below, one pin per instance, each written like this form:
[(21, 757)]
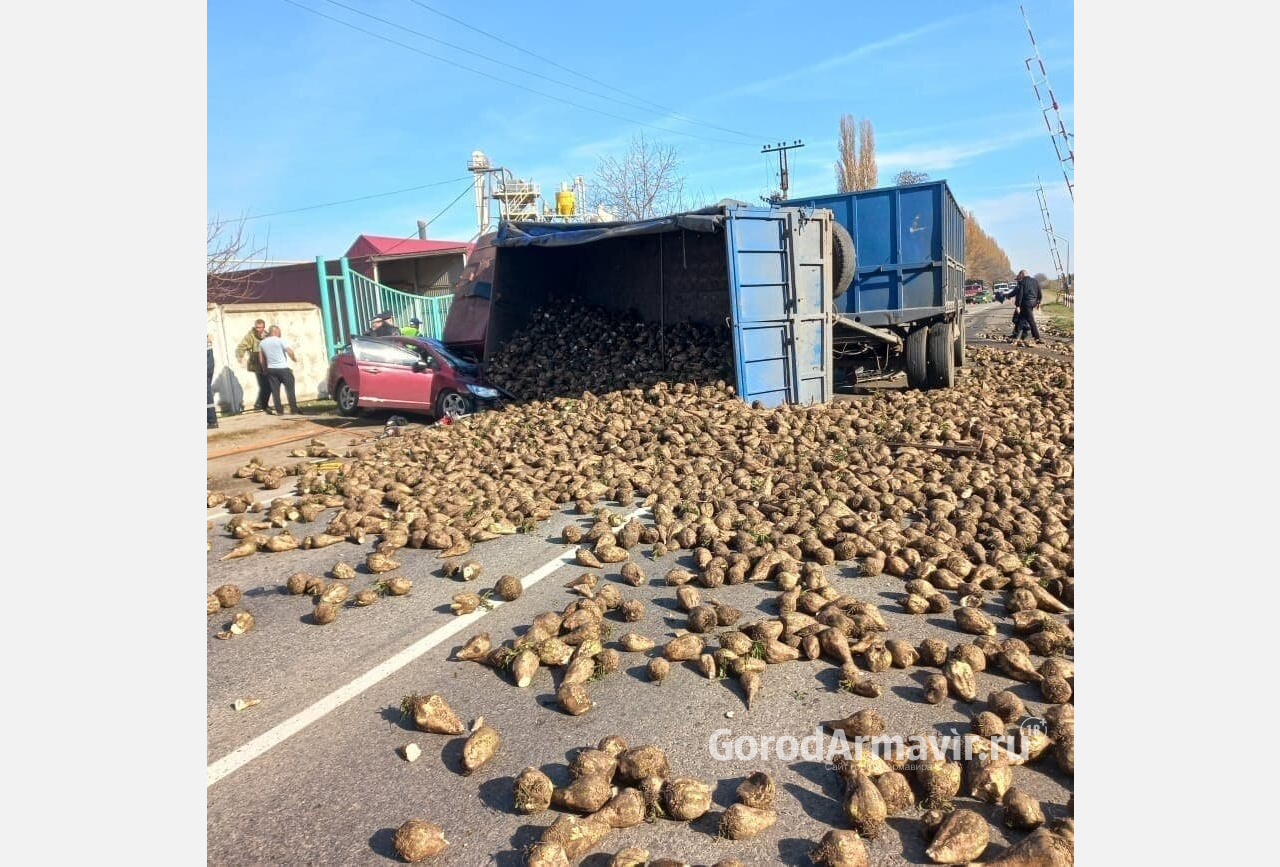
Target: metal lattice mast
[(1051, 235), (1062, 140)]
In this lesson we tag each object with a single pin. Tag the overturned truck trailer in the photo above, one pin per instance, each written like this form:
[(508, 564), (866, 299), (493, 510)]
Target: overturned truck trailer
[(764, 272)]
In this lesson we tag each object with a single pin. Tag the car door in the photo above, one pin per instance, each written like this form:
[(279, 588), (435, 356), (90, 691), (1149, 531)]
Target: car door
[(388, 378)]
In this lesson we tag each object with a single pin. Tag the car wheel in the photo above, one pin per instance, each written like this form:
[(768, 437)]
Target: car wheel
[(450, 404), (347, 399)]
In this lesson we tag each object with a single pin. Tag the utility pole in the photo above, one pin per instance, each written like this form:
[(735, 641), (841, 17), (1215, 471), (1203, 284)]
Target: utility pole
[(781, 148)]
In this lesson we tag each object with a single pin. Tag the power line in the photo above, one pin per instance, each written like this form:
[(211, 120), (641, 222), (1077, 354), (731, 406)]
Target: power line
[(547, 60), (465, 190), (520, 69), (509, 83), (414, 235), (356, 199)]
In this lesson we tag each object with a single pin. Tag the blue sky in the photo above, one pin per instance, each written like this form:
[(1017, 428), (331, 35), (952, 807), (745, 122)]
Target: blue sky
[(304, 111)]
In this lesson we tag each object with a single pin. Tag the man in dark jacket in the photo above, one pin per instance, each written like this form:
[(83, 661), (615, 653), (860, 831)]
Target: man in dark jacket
[(1026, 299), (248, 350), (388, 328)]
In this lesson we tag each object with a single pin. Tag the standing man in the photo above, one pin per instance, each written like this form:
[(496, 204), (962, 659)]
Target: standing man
[(1026, 299), (254, 361), (275, 354), (388, 328), (212, 410), (413, 329)]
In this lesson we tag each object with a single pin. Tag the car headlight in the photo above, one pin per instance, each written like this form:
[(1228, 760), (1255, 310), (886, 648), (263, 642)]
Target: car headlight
[(482, 391)]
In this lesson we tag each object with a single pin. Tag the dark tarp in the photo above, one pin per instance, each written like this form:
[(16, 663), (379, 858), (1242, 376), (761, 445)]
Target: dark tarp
[(529, 234)]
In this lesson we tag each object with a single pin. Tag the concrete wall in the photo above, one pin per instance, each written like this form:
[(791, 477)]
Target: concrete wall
[(234, 387)]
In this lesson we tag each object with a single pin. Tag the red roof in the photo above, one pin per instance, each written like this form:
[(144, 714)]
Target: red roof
[(380, 245)]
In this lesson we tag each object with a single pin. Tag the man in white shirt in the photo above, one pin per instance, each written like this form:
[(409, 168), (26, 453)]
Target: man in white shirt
[(274, 353)]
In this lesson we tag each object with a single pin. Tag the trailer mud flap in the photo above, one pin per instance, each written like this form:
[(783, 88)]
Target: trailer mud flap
[(780, 275)]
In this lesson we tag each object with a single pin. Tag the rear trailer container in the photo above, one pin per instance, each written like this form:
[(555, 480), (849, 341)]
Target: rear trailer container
[(765, 273), (904, 308)]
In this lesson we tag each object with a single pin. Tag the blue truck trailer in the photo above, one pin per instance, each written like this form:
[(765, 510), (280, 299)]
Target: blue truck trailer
[(902, 304), (767, 273)]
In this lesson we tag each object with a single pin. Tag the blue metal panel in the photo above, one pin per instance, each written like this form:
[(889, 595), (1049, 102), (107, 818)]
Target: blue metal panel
[(910, 246), (779, 286)]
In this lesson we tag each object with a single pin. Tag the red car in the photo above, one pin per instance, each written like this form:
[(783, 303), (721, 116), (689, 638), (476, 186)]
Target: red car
[(407, 373)]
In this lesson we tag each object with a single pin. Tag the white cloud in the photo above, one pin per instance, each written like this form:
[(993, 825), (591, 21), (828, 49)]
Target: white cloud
[(843, 59), (1015, 221), (594, 150), (971, 124), (944, 156)]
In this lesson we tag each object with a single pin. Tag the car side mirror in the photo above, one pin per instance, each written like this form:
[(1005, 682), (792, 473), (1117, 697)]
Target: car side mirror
[(419, 366)]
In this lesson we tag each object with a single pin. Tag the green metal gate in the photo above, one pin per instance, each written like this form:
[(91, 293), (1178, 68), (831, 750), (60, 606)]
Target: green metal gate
[(349, 300)]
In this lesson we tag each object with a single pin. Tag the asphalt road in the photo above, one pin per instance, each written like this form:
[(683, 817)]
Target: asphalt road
[(333, 791), (984, 320)]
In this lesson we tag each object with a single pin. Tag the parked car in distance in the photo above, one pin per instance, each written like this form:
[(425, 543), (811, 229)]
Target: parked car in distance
[(407, 373), (972, 290)]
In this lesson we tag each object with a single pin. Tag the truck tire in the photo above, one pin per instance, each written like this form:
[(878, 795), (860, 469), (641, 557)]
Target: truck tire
[(941, 356), (915, 357), (844, 258), (962, 357)]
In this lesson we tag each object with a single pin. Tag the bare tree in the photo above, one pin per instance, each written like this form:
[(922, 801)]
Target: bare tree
[(847, 165), (856, 169), (644, 183), (231, 277), (868, 173), (906, 176)]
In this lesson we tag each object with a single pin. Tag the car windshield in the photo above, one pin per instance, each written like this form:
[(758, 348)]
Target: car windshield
[(454, 361)]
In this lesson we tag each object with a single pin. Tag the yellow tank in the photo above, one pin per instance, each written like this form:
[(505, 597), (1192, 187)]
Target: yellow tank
[(564, 203)]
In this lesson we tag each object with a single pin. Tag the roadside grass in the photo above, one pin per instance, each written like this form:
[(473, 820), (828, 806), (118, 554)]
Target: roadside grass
[(1062, 316), (317, 406)]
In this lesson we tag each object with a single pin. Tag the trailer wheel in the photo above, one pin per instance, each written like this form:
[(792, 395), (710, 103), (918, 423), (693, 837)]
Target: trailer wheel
[(941, 356), (845, 258), (916, 357), (960, 343)]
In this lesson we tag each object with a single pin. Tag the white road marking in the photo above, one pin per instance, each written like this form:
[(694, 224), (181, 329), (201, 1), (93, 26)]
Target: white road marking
[(242, 755)]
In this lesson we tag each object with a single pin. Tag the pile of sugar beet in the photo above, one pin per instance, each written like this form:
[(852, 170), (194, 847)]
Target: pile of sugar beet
[(966, 495)]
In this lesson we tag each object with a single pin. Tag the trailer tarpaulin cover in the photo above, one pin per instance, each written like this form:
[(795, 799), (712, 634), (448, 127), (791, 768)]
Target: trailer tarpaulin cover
[(528, 234)]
